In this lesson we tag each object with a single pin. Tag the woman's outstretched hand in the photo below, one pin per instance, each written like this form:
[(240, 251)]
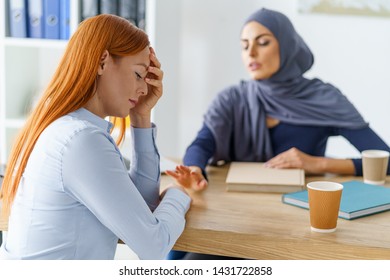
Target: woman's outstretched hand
[(189, 177)]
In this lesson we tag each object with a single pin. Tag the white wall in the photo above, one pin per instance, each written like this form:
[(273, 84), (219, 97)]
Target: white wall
[(164, 29), (198, 44)]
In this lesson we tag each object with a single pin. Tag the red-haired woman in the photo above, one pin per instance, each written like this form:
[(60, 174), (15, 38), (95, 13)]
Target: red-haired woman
[(66, 187)]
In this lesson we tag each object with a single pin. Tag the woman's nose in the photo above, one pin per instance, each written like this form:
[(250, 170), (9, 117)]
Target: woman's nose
[(143, 90), (252, 50)]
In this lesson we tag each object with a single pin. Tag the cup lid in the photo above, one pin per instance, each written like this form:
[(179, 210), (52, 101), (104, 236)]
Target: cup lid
[(324, 186), (375, 153)]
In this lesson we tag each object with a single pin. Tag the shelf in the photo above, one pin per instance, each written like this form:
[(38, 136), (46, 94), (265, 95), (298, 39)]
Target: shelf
[(14, 123), (35, 43)]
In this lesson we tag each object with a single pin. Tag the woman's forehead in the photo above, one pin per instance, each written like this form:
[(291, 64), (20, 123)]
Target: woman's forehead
[(253, 29)]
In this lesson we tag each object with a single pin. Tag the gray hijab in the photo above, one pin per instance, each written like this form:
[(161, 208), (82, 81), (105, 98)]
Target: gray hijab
[(237, 116)]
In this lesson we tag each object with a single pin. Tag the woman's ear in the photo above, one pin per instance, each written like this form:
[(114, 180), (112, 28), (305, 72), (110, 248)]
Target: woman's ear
[(102, 63)]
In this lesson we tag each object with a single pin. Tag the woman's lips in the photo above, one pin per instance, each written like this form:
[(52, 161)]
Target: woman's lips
[(253, 66), (133, 102)]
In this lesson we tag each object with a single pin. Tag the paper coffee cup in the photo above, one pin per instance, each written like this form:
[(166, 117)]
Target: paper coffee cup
[(375, 166), (324, 205)]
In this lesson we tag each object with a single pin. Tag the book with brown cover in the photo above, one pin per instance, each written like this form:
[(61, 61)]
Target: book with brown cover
[(255, 177)]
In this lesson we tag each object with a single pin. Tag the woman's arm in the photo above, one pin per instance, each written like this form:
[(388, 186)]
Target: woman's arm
[(201, 149), (144, 165), (361, 139), (94, 175), (294, 158)]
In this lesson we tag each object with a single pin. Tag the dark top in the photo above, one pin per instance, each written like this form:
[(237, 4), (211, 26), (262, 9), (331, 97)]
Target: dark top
[(309, 139)]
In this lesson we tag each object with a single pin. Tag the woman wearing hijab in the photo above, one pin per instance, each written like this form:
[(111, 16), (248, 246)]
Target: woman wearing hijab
[(279, 117)]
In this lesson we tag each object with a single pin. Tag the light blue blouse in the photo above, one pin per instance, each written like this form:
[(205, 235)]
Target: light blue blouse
[(76, 197)]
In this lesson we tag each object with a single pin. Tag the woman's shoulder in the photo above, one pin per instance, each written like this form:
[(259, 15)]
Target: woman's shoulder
[(66, 128), (234, 91), (67, 125)]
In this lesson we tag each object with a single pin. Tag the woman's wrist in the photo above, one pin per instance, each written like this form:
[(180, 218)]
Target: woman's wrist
[(337, 166), (199, 170), (138, 121), (195, 169)]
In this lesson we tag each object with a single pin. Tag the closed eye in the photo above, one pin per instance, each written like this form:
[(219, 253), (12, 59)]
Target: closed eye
[(139, 77), (262, 43)]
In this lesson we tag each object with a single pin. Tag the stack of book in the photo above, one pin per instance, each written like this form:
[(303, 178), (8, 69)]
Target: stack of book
[(255, 177)]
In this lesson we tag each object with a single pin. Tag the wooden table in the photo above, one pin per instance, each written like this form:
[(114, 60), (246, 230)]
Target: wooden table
[(260, 226)]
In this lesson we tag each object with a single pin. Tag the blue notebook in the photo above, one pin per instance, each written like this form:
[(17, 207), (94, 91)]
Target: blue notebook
[(358, 199)]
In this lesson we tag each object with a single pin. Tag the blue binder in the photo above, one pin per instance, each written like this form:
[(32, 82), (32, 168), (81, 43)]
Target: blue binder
[(51, 9), (128, 10), (89, 8), (64, 19), (108, 7), (35, 19), (141, 7), (17, 18)]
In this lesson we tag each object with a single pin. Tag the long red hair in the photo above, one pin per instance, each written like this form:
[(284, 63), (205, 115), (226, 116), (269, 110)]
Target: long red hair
[(71, 87)]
